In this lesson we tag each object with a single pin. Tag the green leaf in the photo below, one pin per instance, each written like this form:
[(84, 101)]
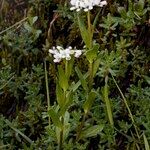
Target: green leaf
[(96, 19), (147, 79), (108, 104), (88, 103), (82, 79), (68, 102), (68, 67), (51, 132), (75, 86), (37, 33), (66, 124), (62, 79), (122, 12), (34, 19), (96, 66), (139, 6), (91, 55), (28, 27), (84, 33), (55, 118), (91, 131), (146, 142), (18, 132), (60, 95)]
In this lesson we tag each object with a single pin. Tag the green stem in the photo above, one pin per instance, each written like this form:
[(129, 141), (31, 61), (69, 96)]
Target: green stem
[(66, 69), (90, 76), (127, 106), (87, 92), (61, 135), (47, 92)]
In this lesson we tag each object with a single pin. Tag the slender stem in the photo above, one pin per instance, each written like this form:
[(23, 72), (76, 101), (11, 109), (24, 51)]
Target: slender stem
[(90, 73), (125, 101), (127, 106), (66, 69), (16, 24), (91, 76), (61, 135), (47, 91)]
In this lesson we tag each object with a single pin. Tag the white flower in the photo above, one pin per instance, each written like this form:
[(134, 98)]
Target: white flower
[(77, 53), (103, 3), (60, 53), (86, 4)]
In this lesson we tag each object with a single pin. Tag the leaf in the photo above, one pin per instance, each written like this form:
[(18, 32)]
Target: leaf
[(18, 131), (88, 103), (34, 19), (82, 79), (84, 32), (68, 67), (60, 95), (37, 33), (68, 101), (28, 27), (55, 118), (122, 12), (66, 117), (91, 131), (108, 104), (75, 86), (96, 19), (91, 55), (51, 132), (96, 66), (147, 79), (139, 7), (62, 78), (66, 124), (146, 142)]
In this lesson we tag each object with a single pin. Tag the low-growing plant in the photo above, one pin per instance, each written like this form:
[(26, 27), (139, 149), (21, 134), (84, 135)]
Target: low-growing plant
[(51, 99)]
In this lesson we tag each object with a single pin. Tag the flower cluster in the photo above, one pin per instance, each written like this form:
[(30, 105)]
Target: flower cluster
[(86, 4), (60, 53)]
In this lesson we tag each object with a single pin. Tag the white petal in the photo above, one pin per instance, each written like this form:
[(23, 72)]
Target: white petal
[(103, 3), (57, 60)]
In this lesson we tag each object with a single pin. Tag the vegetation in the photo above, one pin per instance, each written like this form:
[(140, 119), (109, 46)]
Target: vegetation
[(98, 101)]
